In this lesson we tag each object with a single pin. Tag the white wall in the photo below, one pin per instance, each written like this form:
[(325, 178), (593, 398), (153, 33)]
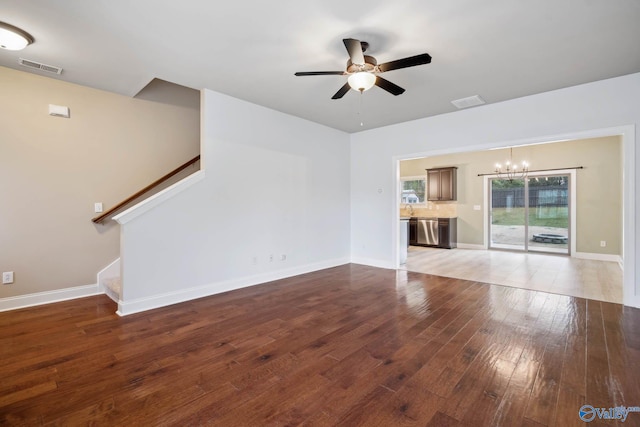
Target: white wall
[(274, 184), (582, 111)]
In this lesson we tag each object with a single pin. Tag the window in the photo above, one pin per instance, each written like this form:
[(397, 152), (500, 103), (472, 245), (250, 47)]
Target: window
[(412, 190)]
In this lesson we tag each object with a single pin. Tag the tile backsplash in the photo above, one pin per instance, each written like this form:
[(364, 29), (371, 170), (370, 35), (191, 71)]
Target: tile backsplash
[(431, 210)]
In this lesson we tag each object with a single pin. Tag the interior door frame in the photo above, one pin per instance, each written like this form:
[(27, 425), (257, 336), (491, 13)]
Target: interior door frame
[(572, 208), (627, 132)]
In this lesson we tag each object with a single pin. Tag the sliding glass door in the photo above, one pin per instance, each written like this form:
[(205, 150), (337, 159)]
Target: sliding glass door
[(530, 214), (507, 214), (548, 229)]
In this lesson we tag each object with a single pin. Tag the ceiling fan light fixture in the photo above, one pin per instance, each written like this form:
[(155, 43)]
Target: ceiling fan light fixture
[(13, 38), (361, 81), (362, 70)]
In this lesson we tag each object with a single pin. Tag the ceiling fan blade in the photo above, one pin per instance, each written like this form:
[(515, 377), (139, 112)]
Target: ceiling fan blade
[(320, 73), (354, 47), (411, 61), (343, 90), (392, 88)]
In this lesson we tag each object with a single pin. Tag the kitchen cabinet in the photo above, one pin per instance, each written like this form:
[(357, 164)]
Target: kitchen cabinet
[(447, 233), (441, 184)]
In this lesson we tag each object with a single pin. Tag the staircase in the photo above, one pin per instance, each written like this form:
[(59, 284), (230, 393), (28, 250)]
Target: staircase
[(109, 281), (113, 288)]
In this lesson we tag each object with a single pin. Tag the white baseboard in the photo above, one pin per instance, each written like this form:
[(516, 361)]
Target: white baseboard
[(598, 257), (156, 301), (373, 263), (39, 298), (631, 300), (471, 246)]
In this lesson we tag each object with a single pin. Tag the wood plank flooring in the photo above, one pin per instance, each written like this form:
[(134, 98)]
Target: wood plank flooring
[(346, 346)]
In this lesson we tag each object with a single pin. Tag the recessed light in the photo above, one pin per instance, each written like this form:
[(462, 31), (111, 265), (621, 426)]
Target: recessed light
[(13, 38)]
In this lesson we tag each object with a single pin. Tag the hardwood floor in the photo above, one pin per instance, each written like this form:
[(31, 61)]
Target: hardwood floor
[(346, 346), (599, 280)]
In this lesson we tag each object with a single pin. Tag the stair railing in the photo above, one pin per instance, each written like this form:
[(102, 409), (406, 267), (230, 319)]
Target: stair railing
[(100, 219)]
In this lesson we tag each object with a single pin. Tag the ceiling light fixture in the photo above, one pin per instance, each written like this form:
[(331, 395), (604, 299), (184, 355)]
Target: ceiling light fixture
[(362, 81), (511, 170), (13, 38)]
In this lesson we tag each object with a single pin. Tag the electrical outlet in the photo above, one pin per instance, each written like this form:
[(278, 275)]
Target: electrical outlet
[(271, 258), (7, 277), (603, 243)]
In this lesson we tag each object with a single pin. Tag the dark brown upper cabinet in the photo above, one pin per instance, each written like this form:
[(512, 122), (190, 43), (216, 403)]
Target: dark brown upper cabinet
[(441, 184)]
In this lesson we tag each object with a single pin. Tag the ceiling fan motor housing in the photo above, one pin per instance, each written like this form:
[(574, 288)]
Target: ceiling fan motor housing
[(369, 65)]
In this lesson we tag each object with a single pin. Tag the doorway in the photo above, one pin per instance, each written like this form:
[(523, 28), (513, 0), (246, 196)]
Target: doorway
[(531, 214)]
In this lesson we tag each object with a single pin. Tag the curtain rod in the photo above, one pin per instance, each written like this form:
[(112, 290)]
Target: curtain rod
[(539, 170)]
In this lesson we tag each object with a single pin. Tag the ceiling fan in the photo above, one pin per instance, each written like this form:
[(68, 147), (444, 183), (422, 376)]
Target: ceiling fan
[(363, 69)]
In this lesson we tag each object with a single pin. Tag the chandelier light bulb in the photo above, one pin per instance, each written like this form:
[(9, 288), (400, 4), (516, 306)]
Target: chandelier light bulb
[(511, 170)]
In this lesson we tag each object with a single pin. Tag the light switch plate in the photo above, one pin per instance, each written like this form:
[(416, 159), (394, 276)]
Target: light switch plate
[(97, 207), (477, 207), (7, 277), (59, 111)]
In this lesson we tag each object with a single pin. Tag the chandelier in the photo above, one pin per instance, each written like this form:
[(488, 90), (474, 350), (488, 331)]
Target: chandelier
[(511, 170)]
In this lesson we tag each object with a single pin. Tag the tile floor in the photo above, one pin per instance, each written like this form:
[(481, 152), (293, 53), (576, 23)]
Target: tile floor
[(599, 280)]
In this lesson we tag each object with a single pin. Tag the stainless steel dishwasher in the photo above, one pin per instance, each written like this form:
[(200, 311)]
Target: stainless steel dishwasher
[(428, 231)]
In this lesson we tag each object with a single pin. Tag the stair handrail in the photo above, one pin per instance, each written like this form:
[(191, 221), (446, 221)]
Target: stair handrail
[(99, 219)]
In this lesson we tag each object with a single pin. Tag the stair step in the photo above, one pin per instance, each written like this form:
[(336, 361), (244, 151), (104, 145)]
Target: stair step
[(113, 288)]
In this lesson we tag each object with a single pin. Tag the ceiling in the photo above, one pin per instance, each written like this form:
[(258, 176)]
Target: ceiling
[(498, 49)]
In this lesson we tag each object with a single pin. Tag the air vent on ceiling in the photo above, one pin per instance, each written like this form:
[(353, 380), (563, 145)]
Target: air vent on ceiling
[(470, 101), (39, 66)]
